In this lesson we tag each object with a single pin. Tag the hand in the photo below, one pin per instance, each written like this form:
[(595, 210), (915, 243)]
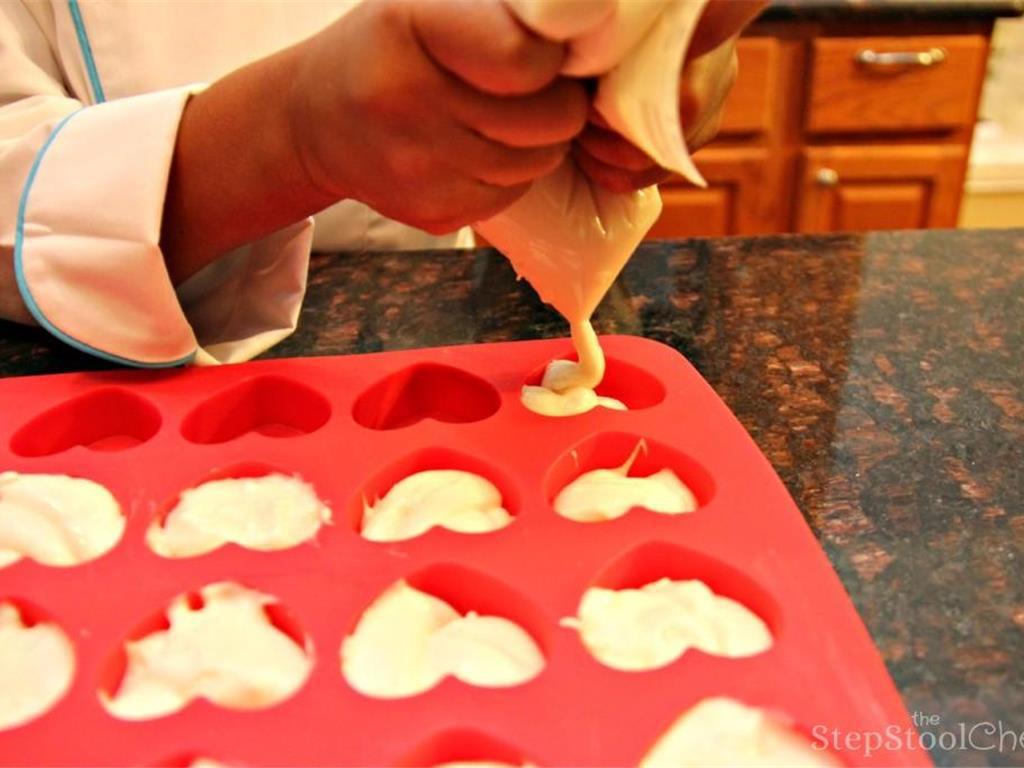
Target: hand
[(612, 161), (708, 75), (437, 114)]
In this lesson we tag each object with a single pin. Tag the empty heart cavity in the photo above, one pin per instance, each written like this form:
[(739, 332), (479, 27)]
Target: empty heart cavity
[(55, 519), (251, 505), (462, 748), (272, 406), (436, 487), (234, 646), (659, 600), (623, 387), (426, 391), (37, 664), (108, 419), (724, 732), (444, 621), (607, 475)]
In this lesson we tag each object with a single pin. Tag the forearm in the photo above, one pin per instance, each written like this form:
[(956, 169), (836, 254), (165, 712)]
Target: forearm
[(236, 175), (12, 307)]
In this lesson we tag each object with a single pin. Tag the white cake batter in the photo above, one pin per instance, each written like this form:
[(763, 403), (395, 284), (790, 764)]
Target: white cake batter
[(408, 641), (36, 667), (647, 628), (724, 732), (456, 500), (55, 519), (264, 513), (227, 651), (605, 494), (567, 388)]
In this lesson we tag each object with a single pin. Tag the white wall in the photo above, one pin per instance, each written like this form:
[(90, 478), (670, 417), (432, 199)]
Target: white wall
[(994, 194)]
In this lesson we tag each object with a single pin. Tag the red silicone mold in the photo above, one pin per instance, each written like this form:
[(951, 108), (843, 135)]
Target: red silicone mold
[(352, 426)]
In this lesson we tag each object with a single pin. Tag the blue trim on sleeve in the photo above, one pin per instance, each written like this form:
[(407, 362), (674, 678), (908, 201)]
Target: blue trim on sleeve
[(26, 293), (83, 43)]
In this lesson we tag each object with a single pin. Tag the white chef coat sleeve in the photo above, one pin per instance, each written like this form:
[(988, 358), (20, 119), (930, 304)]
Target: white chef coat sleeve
[(81, 199)]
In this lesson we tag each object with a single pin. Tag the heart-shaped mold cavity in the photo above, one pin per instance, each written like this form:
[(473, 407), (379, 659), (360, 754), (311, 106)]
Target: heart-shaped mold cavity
[(56, 520), (461, 745), (426, 460), (654, 560), (38, 662), (238, 471), (444, 622), (774, 740), (275, 513), (272, 406), (109, 419), (261, 691), (634, 387), (426, 391), (466, 590), (610, 450)]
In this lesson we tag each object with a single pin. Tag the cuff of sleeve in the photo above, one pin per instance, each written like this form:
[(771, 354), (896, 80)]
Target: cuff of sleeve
[(249, 299), (86, 249)]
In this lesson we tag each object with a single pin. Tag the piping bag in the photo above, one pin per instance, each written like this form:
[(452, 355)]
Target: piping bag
[(568, 236)]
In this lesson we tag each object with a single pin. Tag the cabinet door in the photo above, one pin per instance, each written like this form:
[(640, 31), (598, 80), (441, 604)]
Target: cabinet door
[(890, 187), (734, 202), (750, 106)]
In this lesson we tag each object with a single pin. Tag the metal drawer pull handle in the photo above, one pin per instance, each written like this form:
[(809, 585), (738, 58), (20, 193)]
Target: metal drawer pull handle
[(928, 58), (827, 177)]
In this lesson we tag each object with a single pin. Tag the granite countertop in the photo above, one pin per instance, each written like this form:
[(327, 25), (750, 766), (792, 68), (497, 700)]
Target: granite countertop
[(881, 374), (892, 9)]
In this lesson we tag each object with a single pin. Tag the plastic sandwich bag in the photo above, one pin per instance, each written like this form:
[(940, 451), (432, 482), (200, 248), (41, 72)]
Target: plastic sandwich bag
[(567, 236)]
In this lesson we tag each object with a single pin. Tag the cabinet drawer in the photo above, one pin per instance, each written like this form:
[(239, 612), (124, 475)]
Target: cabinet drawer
[(895, 83)]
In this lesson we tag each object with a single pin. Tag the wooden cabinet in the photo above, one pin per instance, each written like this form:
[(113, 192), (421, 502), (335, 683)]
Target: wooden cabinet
[(733, 201), (750, 108), (895, 84), (896, 187), (839, 125)]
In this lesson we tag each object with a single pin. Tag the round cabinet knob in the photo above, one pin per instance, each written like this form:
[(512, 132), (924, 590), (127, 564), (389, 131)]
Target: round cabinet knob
[(827, 177)]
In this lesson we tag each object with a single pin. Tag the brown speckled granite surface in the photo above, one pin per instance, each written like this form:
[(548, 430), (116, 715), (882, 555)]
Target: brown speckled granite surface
[(905, 10), (881, 374)]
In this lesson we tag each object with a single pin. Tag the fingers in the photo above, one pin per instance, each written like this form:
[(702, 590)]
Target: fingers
[(614, 163), (553, 115), (721, 20), (499, 165), (481, 43), (617, 179), (611, 149), (461, 203)]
